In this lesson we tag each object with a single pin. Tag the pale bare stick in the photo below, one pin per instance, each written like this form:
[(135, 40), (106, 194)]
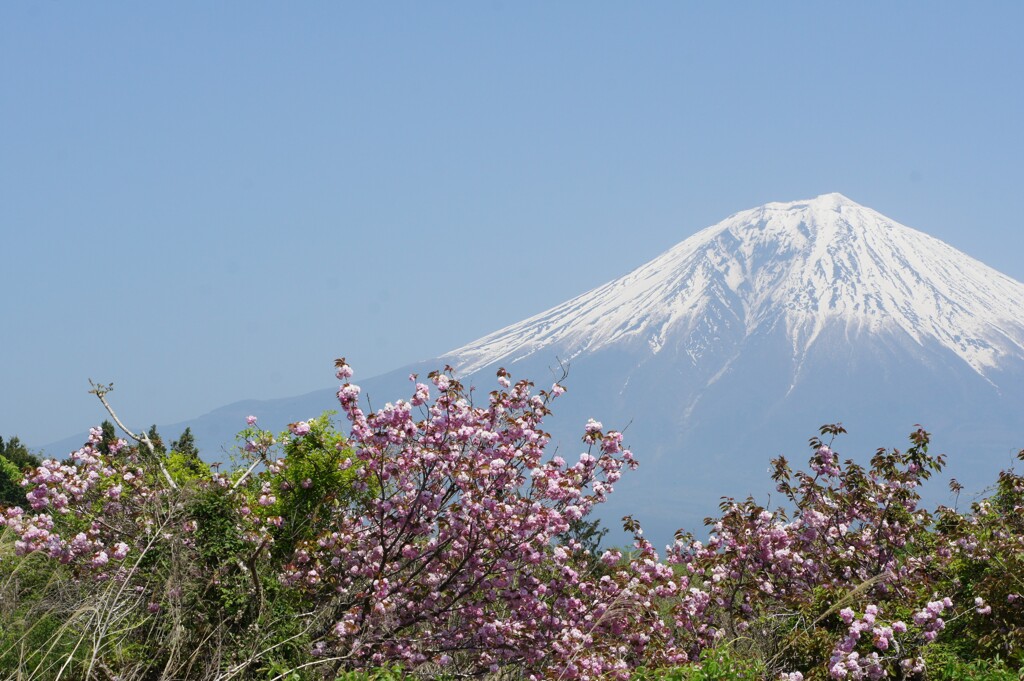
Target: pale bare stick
[(100, 391), (245, 475)]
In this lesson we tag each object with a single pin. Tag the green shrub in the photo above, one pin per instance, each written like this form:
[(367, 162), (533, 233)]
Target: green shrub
[(723, 663)]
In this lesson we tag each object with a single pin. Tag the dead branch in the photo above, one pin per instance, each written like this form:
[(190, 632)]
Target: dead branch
[(100, 391)]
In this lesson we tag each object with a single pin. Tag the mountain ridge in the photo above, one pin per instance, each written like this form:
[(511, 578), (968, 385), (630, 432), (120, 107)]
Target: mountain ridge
[(780, 265), (733, 346)]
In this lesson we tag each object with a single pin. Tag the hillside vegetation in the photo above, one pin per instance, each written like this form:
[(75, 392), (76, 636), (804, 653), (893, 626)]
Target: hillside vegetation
[(438, 538)]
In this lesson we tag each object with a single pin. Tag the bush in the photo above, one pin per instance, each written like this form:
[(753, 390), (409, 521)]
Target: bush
[(438, 539), (420, 541)]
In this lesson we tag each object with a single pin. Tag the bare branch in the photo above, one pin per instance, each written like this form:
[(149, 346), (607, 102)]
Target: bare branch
[(100, 391)]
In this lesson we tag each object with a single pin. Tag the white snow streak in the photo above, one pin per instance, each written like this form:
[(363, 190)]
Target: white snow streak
[(807, 266)]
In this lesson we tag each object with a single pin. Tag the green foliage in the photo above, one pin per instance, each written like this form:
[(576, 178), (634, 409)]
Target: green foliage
[(380, 674), (723, 663), (11, 492), (307, 484), (183, 462), (217, 536), (14, 459), (587, 533), (49, 639), (184, 468), (186, 444), (34, 630), (18, 454), (944, 664), (208, 585), (989, 567), (157, 441), (108, 438)]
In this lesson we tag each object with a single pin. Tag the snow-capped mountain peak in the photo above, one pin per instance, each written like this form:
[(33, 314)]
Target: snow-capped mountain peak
[(733, 346), (802, 267)]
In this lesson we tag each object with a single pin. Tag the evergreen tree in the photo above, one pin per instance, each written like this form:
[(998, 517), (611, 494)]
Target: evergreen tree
[(186, 444), (17, 453), (184, 457), (14, 459), (158, 442), (11, 493), (109, 436)]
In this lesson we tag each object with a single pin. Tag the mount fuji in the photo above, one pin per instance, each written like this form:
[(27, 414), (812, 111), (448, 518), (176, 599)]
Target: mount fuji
[(735, 345), (801, 269)]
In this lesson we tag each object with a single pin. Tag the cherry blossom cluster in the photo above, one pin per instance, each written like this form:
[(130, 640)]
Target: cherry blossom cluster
[(447, 552), (435, 536), (847, 662), (852, 531), (988, 545), (77, 507)]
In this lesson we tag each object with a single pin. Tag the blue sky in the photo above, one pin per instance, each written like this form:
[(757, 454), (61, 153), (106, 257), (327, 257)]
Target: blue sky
[(205, 202)]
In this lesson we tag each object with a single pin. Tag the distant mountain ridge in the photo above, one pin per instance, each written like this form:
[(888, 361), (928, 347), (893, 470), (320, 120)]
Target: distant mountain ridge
[(734, 346)]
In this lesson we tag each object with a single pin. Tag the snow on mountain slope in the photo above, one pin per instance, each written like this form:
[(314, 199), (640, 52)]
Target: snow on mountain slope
[(800, 266), (736, 345)]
